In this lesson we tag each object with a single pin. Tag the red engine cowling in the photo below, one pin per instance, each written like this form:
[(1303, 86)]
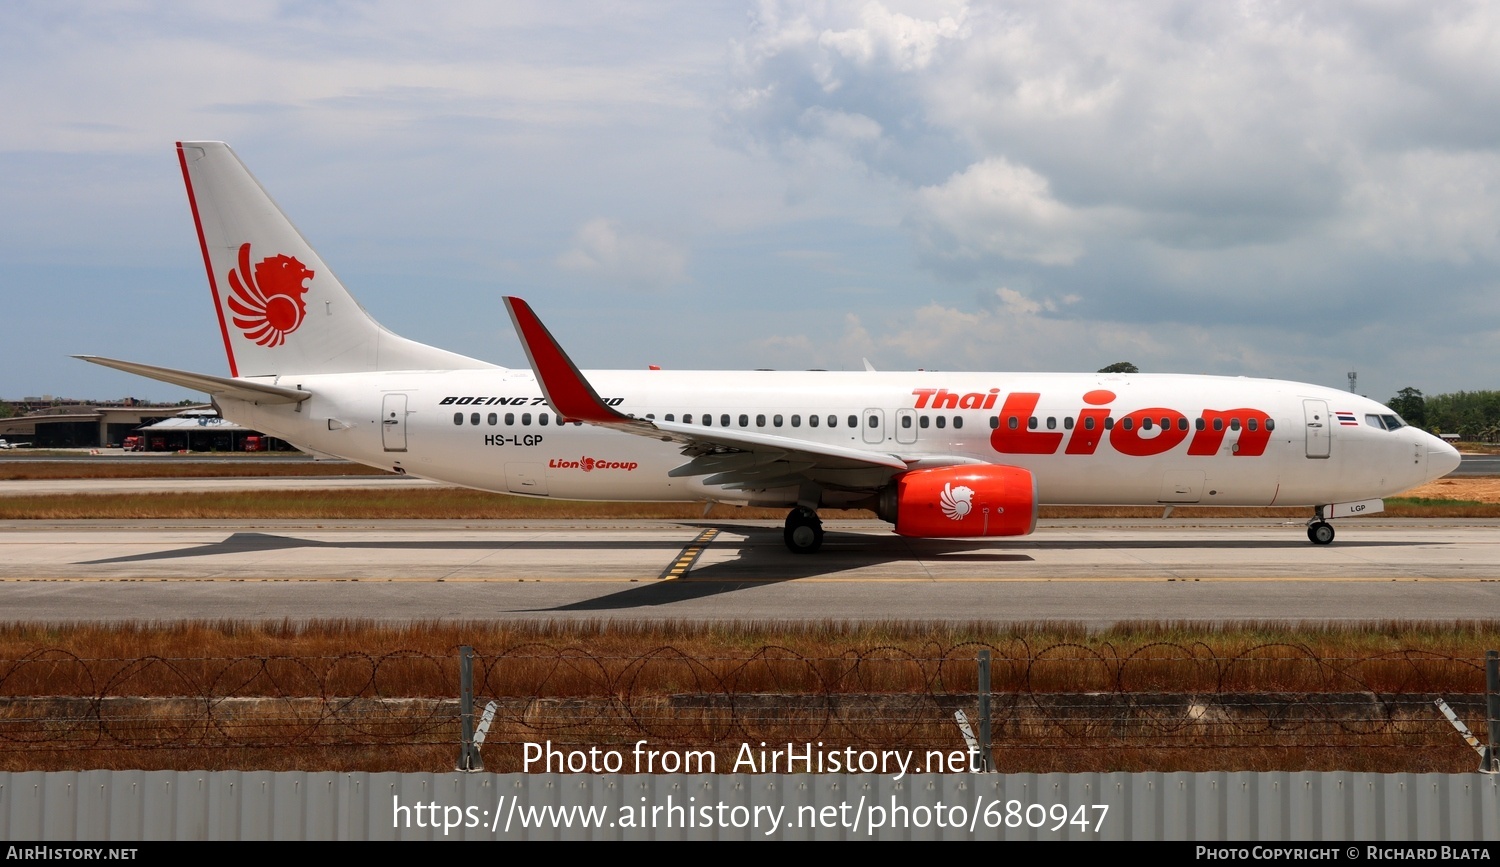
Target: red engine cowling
[(962, 502)]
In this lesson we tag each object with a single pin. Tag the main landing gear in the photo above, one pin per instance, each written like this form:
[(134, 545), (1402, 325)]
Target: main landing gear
[(1319, 531), (804, 532)]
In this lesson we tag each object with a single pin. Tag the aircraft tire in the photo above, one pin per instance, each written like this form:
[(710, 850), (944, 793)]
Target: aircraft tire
[(1320, 532), (804, 532)]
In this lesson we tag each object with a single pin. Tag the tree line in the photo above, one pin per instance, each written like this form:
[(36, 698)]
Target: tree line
[(1473, 415)]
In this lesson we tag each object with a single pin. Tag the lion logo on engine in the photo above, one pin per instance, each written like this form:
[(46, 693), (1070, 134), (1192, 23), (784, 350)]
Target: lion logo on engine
[(267, 301), (957, 502)]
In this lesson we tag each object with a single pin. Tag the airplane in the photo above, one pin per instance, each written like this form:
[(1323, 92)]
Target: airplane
[(936, 454)]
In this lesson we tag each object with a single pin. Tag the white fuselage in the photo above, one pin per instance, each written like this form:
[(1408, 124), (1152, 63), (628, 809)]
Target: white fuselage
[(1227, 441)]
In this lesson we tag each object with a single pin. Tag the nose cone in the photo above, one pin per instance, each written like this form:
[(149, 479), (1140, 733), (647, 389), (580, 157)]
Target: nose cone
[(1442, 458)]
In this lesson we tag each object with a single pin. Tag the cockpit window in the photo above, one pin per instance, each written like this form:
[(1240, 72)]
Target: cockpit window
[(1373, 420), (1393, 422)]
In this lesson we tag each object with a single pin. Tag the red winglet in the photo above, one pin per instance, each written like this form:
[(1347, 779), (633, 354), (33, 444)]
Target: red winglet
[(565, 388)]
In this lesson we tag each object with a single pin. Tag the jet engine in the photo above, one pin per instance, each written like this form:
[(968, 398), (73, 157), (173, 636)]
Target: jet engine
[(963, 501)]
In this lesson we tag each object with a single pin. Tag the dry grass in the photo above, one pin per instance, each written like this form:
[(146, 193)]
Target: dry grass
[(560, 659), (462, 504), (172, 468), (358, 696)]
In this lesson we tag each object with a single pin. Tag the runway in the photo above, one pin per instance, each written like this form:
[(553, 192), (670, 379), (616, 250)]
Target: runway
[(1094, 571)]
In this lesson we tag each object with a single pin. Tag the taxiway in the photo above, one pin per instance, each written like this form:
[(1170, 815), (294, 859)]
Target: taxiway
[(1094, 571)]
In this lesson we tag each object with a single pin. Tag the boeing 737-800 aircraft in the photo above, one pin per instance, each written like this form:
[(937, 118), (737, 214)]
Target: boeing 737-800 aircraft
[(936, 454)]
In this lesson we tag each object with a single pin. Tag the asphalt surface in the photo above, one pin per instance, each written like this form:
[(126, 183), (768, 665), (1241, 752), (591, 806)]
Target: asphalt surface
[(1097, 571)]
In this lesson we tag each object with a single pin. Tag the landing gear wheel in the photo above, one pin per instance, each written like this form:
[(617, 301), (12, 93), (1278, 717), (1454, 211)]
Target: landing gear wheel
[(804, 532), (1320, 532)]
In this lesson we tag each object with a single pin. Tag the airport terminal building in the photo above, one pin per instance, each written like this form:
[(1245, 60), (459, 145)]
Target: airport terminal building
[(161, 427)]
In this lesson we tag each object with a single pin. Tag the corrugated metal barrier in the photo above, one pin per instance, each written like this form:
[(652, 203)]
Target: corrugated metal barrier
[(1231, 807)]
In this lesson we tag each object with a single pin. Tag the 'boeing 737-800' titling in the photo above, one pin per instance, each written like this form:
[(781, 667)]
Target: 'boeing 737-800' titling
[(950, 455)]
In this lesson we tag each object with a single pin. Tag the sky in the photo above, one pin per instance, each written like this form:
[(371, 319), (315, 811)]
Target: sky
[(1292, 190)]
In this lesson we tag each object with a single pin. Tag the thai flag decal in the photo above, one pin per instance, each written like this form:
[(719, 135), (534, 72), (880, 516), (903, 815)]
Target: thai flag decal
[(1346, 417)]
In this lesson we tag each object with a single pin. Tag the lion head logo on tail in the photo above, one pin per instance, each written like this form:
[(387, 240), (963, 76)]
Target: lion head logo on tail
[(267, 302)]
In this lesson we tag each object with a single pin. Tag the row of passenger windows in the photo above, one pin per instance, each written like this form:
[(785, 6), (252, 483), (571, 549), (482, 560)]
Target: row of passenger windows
[(510, 419), (778, 420), (939, 421)]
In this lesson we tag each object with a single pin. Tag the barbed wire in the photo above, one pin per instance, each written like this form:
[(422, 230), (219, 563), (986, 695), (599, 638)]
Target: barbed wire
[(1159, 696)]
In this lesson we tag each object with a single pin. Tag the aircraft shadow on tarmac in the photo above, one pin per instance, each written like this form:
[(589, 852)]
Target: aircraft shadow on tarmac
[(762, 559)]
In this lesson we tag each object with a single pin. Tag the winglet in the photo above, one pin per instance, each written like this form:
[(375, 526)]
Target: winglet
[(564, 387)]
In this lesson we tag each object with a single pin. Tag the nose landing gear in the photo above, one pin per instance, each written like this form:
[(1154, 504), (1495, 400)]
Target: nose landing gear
[(1319, 531), (804, 532)]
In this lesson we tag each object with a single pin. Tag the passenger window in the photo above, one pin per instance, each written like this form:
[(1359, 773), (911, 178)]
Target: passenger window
[(525, 418), (494, 419), (796, 421), (1088, 423), (942, 421), (1031, 423), (923, 421), (812, 421), (1198, 423), (1146, 423), (668, 417), (724, 420), (1270, 424), (906, 422), (874, 421), (776, 421), (958, 421), (458, 418), (1218, 424), (1252, 424), (1012, 422), (708, 419), (1234, 424), (744, 420), (1051, 422), (474, 418), (1068, 422), (1127, 422), (994, 422), (1109, 422), (760, 421), (854, 421), (687, 418), (541, 418), (1182, 423), (510, 419)]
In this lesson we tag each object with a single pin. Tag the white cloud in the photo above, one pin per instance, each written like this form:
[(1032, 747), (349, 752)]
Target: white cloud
[(996, 208), (601, 249)]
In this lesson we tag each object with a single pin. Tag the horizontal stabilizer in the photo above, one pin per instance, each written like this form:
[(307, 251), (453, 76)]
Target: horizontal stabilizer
[(218, 386)]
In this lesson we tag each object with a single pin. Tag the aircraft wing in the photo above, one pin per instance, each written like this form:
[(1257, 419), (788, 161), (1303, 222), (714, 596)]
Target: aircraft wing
[(730, 458), (218, 386)]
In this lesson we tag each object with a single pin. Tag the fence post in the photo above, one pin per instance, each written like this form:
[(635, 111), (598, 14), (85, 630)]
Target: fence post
[(1492, 689), (468, 755), (986, 753)]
